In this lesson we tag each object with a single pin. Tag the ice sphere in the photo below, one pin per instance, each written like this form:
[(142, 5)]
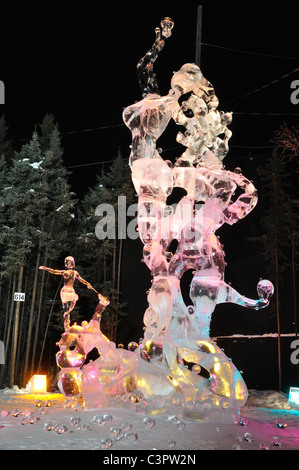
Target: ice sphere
[(115, 431), (132, 346), (167, 25), (106, 442), (281, 423), (180, 424), (276, 441), (126, 426), (264, 445), (107, 418), (130, 437), (236, 447), (61, 429), (136, 397), (243, 421), (149, 422), (75, 420), (248, 437), (48, 426)]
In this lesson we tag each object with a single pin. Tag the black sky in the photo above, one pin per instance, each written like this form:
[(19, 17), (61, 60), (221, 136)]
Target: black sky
[(79, 62)]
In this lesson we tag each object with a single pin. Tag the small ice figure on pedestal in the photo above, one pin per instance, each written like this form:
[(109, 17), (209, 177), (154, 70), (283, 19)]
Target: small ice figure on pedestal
[(67, 294), (177, 353)]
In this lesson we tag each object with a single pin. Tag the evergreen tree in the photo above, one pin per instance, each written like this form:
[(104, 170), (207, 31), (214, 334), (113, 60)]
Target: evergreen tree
[(37, 208), (275, 242)]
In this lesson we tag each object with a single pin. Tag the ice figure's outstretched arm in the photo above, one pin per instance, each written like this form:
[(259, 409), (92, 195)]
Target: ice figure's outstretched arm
[(245, 202), (145, 67), (265, 289), (58, 272)]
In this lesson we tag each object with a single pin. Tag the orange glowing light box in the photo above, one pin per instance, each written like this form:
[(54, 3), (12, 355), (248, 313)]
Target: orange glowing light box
[(37, 384)]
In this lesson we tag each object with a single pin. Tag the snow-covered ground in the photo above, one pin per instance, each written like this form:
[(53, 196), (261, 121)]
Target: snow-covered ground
[(126, 429)]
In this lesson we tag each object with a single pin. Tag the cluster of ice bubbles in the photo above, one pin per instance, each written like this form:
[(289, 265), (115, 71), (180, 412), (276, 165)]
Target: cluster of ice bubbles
[(248, 437), (123, 433)]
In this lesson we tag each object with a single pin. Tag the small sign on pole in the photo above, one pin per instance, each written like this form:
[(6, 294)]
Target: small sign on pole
[(19, 297)]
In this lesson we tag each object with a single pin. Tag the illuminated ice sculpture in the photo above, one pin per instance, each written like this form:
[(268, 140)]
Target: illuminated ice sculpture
[(176, 363), (177, 355)]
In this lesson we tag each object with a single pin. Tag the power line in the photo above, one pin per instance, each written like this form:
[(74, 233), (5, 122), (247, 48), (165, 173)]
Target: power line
[(249, 52), (90, 164), (263, 87)]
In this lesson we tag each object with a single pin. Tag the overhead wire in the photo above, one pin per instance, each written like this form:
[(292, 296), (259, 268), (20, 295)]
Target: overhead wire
[(249, 52), (232, 100)]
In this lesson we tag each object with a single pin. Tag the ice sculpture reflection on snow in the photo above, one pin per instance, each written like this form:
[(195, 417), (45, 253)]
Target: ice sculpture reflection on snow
[(176, 359)]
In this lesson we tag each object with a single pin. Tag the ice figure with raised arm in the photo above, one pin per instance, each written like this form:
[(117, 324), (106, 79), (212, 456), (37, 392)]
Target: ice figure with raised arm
[(178, 356)]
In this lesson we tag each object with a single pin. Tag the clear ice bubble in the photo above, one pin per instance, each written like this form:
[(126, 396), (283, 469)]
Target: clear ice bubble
[(42, 411), (107, 418), (38, 403), (75, 420), (171, 443), (136, 397), (33, 419), (281, 423), (196, 368), (149, 422), (243, 421), (180, 424), (167, 25), (264, 445), (132, 346), (48, 403), (114, 431), (236, 447), (61, 429), (16, 412), (276, 441), (98, 419), (48, 426), (126, 426), (130, 437), (106, 442), (248, 437)]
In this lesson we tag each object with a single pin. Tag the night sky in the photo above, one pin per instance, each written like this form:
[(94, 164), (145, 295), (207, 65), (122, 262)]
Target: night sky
[(79, 62)]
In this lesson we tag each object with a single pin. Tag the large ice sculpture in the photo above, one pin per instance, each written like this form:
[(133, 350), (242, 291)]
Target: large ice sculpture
[(176, 362), (177, 354)]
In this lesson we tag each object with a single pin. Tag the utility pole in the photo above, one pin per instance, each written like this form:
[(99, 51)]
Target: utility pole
[(198, 36)]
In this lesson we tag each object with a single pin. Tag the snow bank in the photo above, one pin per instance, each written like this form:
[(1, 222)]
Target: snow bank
[(267, 422)]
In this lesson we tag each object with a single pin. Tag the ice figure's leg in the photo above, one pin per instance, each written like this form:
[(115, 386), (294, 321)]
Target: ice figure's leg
[(203, 293), (227, 293), (67, 308), (208, 291)]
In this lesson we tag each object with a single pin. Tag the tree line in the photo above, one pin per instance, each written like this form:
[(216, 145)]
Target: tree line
[(42, 221)]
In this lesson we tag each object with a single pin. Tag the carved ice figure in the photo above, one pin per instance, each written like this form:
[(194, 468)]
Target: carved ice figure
[(67, 293), (177, 335)]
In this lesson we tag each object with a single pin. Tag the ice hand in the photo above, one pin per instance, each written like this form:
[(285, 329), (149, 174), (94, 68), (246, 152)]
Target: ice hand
[(103, 300), (265, 290)]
